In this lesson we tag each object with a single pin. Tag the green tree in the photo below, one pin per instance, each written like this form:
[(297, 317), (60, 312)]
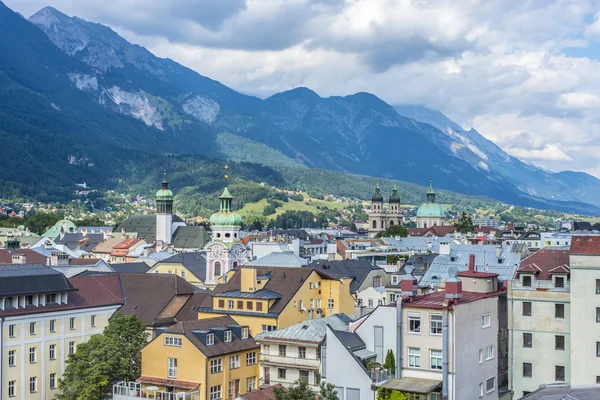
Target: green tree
[(389, 394), (301, 391), (393, 231), (114, 354), (390, 362), (465, 223), (40, 222)]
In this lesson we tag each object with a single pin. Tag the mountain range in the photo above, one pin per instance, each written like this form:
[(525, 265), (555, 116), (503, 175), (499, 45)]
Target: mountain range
[(80, 99)]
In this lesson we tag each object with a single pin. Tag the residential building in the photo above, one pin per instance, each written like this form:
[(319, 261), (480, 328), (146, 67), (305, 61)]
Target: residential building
[(43, 318), (430, 213), (75, 266), (121, 253), (371, 297), (430, 332), (539, 315), (380, 217), (191, 266), (215, 356), (491, 222), (364, 274), (22, 256), (564, 392), (294, 353), (270, 298), (79, 241), (585, 310)]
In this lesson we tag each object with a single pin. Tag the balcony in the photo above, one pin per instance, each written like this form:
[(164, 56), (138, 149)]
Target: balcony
[(542, 286), (134, 391), (379, 376), (290, 361)]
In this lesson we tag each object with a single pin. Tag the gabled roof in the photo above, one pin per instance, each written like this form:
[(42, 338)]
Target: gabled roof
[(190, 237), (143, 225), (358, 270), (189, 330), (107, 245), (130, 268), (545, 262), (195, 262), (189, 311), (350, 340), (147, 295), (312, 330), (585, 245), (283, 281), (279, 259), (74, 241), (32, 257)]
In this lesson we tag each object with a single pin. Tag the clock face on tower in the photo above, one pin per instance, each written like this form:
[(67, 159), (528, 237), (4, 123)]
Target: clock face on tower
[(217, 251), (237, 252)]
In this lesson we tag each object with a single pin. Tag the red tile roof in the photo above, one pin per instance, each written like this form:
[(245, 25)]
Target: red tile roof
[(545, 262), (32, 257), (485, 229), (436, 300), (585, 245), (127, 244), (266, 393)]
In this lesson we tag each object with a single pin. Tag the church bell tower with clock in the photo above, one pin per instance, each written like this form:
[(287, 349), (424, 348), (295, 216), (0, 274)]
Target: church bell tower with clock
[(224, 251)]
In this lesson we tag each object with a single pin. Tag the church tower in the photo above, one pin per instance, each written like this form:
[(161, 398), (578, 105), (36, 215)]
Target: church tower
[(164, 213), (224, 251), (393, 212), (430, 213), (376, 222)]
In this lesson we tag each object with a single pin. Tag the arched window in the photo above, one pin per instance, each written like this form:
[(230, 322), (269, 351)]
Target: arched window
[(217, 269), (424, 224), (391, 223), (235, 264), (374, 224)]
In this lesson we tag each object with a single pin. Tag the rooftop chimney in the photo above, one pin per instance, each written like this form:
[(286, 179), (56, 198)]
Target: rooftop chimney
[(84, 231), (471, 262), (409, 284), (445, 248), (454, 284)]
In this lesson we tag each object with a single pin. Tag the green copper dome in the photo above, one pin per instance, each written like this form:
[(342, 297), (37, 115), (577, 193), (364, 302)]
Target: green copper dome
[(225, 217), (431, 210), (164, 193)]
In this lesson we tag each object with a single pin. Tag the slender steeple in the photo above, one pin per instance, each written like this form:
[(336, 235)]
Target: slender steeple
[(430, 192), (394, 198), (377, 196)]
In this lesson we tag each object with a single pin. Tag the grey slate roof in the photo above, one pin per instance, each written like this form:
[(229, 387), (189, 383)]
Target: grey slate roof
[(279, 259), (70, 240), (194, 261), (144, 225), (350, 340), (190, 237), (26, 279), (485, 261), (565, 392), (357, 269), (131, 268), (292, 233), (312, 330), (419, 244)]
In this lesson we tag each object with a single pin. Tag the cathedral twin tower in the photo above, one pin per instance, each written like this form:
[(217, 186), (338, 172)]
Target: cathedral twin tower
[(381, 218)]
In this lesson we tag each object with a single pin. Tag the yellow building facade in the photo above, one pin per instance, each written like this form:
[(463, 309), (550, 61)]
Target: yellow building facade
[(189, 266), (268, 298), (209, 359)]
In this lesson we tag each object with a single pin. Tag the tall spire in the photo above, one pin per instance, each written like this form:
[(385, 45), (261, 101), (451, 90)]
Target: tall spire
[(430, 192), (165, 183)]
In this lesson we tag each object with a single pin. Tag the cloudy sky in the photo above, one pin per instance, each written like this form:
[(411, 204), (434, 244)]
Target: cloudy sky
[(526, 74)]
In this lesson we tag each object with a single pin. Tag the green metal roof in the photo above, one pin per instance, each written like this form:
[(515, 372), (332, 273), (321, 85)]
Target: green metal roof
[(431, 210), (164, 194), (225, 218)]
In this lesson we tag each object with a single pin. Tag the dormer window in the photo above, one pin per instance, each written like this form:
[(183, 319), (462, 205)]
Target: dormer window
[(452, 258), (526, 280), (559, 282), (29, 300), (244, 333), (51, 298), (210, 339), (395, 279), (500, 260), (8, 302), (227, 336)]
